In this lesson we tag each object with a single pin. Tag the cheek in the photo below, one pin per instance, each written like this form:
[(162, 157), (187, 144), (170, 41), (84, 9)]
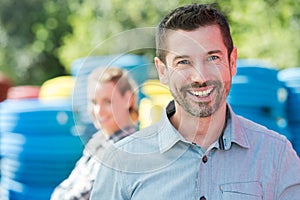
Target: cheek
[(177, 77), (176, 81), (227, 78), (119, 105), (226, 82)]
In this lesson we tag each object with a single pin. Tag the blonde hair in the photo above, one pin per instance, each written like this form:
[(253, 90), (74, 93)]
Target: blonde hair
[(121, 79)]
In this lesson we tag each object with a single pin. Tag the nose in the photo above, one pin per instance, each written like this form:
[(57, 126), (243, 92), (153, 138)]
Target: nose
[(199, 73)]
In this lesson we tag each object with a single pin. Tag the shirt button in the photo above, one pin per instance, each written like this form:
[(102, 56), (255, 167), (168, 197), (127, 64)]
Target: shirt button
[(204, 159), (202, 198)]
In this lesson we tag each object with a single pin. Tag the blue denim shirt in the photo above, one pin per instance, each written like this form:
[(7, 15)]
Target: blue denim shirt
[(158, 163)]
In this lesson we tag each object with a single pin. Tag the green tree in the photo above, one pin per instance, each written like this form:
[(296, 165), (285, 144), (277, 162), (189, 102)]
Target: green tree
[(261, 29), (30, 33), (266, 29), (40, 39), (96, 22)]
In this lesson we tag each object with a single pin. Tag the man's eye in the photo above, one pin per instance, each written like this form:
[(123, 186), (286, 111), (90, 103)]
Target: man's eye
[(212, 58), (183, 62)]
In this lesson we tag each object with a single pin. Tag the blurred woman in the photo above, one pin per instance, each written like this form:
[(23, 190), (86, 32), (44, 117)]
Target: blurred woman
[(112, 102)]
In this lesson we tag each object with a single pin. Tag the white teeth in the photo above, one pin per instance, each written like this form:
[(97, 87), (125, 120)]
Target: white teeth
[(204, 93)]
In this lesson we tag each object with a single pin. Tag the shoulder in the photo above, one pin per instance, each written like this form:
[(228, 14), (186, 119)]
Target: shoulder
[(274, 148), (137, 153), (96, 143), (259, 135), (254, 128), (142, 140), (96, 138)]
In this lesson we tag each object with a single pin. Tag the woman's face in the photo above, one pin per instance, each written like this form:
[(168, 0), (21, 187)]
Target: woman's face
[(110, 109)]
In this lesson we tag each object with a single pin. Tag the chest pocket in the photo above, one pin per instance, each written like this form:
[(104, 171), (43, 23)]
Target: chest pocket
[(242, 190)]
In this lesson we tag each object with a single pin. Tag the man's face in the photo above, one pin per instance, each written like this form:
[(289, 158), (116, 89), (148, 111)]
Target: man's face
[(198, 71)]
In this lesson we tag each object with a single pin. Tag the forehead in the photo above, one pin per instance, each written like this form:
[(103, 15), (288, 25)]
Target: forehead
[(104, 90), (200, 40)]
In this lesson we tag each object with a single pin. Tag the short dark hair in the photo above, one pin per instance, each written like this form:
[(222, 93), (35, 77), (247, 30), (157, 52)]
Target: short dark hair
[(188, 18)]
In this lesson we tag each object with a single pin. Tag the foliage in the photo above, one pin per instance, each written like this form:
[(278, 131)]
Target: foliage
[(266, 29), (97, 25), (40, 39), (261, 29), (30, 33)]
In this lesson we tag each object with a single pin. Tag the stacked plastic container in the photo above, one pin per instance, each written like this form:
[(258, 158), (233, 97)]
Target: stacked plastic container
[(23, 92), (136, 65), (259, 95), (291, 78), (5, 84), (39, 147), (39, 141)]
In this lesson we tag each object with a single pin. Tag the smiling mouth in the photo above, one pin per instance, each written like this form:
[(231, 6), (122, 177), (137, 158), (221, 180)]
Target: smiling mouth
[(202, 94)]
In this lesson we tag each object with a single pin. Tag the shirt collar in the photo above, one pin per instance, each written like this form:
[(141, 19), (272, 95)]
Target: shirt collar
[(234, 132), (169, 136)]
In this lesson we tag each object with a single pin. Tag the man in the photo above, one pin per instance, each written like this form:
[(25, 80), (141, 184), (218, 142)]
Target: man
[(112, 102), (200, 149)]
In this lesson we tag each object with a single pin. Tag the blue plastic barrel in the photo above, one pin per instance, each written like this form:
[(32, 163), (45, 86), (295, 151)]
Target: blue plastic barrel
[(291, 78), (257, 94), (39, 147)]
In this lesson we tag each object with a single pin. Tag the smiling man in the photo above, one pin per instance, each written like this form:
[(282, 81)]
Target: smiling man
[(200, 149)]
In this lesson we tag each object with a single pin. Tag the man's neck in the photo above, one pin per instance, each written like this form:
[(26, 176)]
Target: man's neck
[(202, 131)]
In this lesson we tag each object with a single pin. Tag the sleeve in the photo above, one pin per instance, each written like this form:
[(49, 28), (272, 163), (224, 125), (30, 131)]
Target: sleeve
[(79, 183), (288, 180), (65, 187), (109, 185)]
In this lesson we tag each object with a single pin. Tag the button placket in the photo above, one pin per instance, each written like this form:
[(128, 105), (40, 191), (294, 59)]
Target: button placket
[(205, 172)]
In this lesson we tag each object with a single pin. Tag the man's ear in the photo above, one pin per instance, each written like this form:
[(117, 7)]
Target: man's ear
[(162, 71), (233, 60)]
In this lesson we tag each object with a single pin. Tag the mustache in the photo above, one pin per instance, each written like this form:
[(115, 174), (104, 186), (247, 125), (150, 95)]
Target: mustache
[(200, 85)]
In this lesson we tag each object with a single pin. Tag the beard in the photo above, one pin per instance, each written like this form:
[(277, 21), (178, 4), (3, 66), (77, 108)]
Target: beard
[(202, 109)]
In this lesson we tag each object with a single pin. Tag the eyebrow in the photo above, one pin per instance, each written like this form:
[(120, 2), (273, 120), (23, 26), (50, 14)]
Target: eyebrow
[(214, 51), (186, 56), (180, 57)]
